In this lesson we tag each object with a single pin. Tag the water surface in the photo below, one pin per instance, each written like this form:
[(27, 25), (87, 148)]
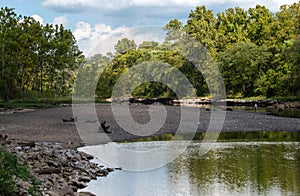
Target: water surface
[(229, 168)]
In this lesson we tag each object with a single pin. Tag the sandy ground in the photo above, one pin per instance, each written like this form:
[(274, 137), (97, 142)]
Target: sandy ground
[(47, 124)]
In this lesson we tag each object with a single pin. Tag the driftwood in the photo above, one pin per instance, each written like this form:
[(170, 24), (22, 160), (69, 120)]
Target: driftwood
[(104, 127), (71, 119), (29, 144)]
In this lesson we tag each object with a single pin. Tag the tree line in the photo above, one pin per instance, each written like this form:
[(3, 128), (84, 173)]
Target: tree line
[(257, 52), (35, 59)]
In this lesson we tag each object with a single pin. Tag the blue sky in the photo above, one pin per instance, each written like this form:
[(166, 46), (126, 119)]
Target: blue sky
[(92, 20)]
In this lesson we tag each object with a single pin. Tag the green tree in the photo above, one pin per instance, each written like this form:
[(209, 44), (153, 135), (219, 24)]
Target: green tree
[(201, 26), (8, 41), (260, 25), (255, 49), (123, 45), (148, 45), (174, 30), (35, 58), (293, 54), (242, 66), (232, 27)]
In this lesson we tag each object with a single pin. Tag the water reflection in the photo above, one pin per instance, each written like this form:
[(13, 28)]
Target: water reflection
[(230, 168), (241, 168)]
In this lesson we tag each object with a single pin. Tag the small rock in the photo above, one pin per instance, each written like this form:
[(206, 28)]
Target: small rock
[(65, 191), (52, 163), (69, 155), (18, 148), (102, 173), (87, 156), (80, 167), (110, 169), (48, 171), (51, 193), (85, 194), (29, 144), (93, 176), (78, 184), (84, 179)]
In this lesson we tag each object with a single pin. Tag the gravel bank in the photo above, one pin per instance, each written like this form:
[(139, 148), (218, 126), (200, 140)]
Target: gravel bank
[(47, 124)]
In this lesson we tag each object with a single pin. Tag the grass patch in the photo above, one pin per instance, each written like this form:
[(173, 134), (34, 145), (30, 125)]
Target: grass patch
[(10, 171), (21, 104), (42, 102)]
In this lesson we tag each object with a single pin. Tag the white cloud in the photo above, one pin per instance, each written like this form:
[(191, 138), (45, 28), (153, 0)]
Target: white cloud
[(134, 12), (121, 4), (118, 4), (60, 20), (38, 18), (49, 3), (272, 5), (88, 36), (165, 3), (101, 38)]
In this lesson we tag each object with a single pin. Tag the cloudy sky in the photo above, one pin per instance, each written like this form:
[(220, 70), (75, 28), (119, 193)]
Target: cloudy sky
[(92, 20)]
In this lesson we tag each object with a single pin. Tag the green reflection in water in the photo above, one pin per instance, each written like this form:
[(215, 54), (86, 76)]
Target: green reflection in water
[(255, 136), (256, 168), (278, 136)]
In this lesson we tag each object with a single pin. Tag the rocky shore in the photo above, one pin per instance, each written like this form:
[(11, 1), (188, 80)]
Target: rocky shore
[(59, 169)]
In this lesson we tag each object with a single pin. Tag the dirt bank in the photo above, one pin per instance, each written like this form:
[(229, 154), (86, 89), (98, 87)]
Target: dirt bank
[(48, 125)]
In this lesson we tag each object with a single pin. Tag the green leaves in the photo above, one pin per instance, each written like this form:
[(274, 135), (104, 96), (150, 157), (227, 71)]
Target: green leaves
[(123, 45), (35, 57), (257, 52)]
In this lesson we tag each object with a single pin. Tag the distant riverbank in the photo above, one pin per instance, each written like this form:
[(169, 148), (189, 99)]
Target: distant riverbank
[(208, 101)]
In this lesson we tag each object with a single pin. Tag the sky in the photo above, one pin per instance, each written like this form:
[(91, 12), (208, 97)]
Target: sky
[(94, 21)]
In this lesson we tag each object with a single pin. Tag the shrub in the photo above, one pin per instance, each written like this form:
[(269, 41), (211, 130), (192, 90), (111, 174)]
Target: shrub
[(10, 171)]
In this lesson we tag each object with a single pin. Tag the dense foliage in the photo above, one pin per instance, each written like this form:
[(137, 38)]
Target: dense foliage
[(10, 171), (35, 59), (257, 52)]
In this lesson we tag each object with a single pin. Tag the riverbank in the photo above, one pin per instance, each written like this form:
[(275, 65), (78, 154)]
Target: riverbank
[(42, 125), (207, 101), (59, 169)]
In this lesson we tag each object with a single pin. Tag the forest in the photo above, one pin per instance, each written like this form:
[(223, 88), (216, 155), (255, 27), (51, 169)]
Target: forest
[(257, 52), (35, 60)]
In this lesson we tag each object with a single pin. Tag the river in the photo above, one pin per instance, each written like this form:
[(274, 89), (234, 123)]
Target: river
[(228, 168)]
